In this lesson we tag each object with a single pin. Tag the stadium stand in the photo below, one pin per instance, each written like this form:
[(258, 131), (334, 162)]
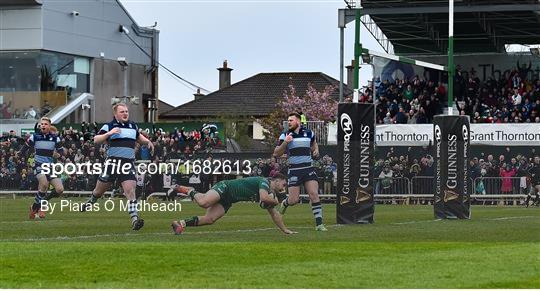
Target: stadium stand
[(514, 98)]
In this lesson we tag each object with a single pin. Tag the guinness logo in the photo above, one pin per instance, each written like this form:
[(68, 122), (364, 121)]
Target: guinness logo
[(344, 200), (450, 195), (346, 125), (362, 195)]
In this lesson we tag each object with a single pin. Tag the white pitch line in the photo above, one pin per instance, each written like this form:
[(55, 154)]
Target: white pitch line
[(153, 234), (32, 221), (512, 217), (415, 221), (482, 219), (228, 231)]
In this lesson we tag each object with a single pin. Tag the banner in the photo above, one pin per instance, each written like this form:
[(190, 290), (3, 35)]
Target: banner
[(503, 134), (511, 134), (356, 152), (451, 152)]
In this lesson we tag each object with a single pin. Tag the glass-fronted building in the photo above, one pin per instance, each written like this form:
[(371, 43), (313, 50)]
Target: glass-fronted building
[(72, 59)]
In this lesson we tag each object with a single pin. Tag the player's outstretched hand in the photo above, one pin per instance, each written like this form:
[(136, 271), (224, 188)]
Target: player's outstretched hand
[(288, 231)]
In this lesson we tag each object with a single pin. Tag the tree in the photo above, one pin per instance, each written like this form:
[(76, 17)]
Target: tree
[(316, 105)]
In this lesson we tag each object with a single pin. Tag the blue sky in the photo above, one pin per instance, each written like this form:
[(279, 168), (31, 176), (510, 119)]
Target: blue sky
[(253, 36)]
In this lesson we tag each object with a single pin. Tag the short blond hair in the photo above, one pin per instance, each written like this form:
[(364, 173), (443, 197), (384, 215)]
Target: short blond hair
[(46, 119), (115, 106)]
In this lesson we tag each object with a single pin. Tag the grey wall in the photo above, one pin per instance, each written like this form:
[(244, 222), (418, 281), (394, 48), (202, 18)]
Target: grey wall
[(52, 26), (93, 31), (20, 28), (108, 82)]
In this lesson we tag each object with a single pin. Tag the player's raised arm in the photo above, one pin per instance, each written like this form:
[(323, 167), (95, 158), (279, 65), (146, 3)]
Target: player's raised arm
[(104, 134), (284, 140)]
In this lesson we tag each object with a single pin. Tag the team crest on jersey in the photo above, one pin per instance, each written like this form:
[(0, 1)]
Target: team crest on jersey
[(305, 134), (130, 125)]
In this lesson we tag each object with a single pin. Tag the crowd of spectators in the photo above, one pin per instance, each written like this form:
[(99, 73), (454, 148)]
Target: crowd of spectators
[(8, 112), (509, 173), (513, 98), (395, 168), (16, 171)]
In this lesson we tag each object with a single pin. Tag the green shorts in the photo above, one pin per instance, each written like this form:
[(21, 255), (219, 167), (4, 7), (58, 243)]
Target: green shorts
[(225, 198)]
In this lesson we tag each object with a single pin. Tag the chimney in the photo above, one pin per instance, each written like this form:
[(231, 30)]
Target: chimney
[(350, 75), (198, 95), (224, 76)]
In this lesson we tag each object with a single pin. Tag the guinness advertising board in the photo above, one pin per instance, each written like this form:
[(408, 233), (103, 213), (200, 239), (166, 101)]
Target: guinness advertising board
[(451, 152), (356, 152)]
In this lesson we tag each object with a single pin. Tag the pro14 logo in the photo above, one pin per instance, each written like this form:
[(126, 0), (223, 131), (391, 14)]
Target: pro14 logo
[(347, 127), (438, 137)]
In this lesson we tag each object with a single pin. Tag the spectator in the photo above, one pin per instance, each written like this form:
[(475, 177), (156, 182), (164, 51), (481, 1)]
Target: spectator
[(46, 108), (30, 113)]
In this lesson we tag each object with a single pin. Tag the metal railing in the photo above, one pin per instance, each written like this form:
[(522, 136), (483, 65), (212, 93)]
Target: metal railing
[(501, 185), (422, 185), (319, 128), (418, 189), (394, 185)]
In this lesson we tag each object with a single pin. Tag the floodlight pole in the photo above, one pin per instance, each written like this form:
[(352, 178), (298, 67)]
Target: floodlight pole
[(451, 67), (357, 49)]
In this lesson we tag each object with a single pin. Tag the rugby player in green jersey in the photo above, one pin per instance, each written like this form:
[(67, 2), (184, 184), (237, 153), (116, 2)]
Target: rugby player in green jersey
[(220, 198)]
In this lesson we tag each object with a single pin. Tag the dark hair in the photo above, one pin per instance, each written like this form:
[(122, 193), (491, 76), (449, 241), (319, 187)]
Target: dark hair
[(295, 114), (279, 176)]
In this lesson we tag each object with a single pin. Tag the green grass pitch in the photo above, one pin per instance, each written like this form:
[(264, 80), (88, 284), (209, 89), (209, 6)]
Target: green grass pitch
[(404, 248)]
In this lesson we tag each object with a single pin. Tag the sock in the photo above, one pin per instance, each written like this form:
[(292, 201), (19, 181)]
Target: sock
[(317, 212), (132, 210), (93, 199), (37, 201), (286, 202), (52, 194), (192, 221), (192, 193)]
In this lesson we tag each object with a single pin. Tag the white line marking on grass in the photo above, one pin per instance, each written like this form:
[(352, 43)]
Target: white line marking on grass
[(61, 238), (415, 221), (481, 219), (32, 221), (512, 217)]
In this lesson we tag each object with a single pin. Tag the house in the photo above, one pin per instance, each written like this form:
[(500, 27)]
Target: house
[(249, 99)]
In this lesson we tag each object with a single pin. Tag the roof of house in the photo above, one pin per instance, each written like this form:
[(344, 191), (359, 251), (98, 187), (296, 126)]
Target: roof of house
[(164, 107), (254, 96)]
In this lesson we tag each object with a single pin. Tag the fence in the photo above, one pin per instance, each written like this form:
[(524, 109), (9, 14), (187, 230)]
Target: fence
[(417, 190), (319, 128), (395, 185)]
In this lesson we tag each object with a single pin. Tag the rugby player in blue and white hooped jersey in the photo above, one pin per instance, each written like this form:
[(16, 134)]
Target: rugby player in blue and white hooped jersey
[(44, 143), (121, 134), (300, 145)]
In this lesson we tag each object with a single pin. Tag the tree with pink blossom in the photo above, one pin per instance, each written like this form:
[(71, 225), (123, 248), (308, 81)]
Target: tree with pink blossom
[(315, 105)]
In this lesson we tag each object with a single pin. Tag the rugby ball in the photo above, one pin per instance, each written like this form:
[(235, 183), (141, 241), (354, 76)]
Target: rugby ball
[(264, 205)]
